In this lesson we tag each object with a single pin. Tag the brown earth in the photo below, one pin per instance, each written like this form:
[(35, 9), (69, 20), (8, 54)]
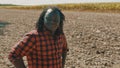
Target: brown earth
[(93, 38)]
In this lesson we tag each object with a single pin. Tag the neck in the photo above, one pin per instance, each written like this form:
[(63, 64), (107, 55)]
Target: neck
[(51, 32)]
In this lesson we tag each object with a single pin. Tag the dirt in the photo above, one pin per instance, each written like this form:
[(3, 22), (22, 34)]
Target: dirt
[(93, 38)]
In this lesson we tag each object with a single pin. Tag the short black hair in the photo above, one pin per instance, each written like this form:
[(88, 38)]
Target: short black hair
[(40, 22)]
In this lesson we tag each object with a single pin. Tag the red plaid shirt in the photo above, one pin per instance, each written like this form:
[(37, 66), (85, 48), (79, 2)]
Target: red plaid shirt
[(41, 49)]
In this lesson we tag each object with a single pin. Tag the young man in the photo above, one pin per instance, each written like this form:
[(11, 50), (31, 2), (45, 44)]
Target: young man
[(45, 47)]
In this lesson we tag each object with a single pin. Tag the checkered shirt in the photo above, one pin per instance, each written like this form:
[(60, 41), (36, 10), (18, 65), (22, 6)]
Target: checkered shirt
[(41, 49)]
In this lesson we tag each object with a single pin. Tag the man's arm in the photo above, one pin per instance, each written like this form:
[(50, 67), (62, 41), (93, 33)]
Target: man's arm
[(65, 50), (64, 54), (19, 63), (21, 49)]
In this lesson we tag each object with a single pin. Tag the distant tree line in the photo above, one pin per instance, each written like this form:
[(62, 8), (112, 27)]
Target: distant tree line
[(7, 5)]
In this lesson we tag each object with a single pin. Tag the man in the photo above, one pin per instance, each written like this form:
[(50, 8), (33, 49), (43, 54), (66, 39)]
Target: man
[(44, 47)]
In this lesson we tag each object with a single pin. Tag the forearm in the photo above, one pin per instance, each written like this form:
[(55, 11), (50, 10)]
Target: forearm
[(63, 59), (19, 63)]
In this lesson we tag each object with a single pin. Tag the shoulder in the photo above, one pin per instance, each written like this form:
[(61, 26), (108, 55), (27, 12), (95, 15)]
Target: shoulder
[(33, 32), (30, 35), (63, 36)]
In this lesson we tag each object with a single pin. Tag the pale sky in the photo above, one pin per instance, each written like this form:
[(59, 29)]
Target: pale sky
[(41, 2)]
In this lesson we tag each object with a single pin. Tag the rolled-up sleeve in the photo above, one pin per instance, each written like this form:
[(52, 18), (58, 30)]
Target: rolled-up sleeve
[(23, 48)]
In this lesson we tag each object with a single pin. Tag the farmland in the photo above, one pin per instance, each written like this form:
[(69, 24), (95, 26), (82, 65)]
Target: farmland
[(93, 38)]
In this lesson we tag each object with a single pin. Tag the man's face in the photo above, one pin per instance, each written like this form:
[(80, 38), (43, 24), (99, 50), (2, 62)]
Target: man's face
[(52, 20)]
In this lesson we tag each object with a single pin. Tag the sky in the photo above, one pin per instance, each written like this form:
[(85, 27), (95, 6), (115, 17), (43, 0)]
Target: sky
[(42, 2)]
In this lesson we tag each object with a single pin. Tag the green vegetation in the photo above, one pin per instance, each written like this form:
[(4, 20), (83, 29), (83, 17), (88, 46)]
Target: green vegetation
[(7, 5), (75, 7)]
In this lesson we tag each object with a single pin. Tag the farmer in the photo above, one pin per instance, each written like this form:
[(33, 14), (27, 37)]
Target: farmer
[(44, 47)]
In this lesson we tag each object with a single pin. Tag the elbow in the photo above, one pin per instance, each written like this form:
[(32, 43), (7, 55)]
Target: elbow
[(11, 57)]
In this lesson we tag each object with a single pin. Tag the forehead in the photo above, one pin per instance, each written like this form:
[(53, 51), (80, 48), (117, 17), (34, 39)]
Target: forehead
[(50, 12)]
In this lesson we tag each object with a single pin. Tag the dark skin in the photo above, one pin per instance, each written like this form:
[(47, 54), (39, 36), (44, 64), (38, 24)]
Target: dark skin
[(63, 59), (19, 63)]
